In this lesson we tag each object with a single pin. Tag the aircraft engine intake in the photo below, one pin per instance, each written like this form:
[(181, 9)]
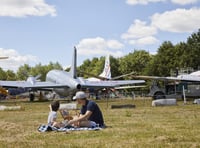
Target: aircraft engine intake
[(78, 86)]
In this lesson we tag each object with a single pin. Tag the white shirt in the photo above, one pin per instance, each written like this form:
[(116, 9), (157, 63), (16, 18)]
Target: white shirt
[(52, 116)]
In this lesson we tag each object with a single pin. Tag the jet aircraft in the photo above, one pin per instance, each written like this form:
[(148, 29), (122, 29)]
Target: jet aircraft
[(192, 77), (65, 83), (173, 85)]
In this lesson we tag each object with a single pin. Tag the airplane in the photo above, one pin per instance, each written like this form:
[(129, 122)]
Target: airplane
[(65, 83), (192, 77), (187, 83), (106, 75)]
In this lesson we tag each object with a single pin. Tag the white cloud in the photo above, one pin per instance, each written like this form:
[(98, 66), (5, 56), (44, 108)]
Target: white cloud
[(142, 2), (140, 34), (184, 2), (139, 29), (179, 20), (15, 60), (99, 46), (23, 8), (114, 44), (144, 41), (145, 2)]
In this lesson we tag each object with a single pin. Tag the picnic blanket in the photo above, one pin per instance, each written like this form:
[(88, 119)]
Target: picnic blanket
[(46, 128)]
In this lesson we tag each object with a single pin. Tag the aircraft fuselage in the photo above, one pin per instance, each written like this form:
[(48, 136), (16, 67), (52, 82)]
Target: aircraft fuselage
[(63, 77)]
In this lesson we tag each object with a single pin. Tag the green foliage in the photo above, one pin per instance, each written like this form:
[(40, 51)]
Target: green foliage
[(193, 51), (43, 70), (169, 56), (114, 64), (25, 71), (2, 74), (96, 65), (10, 75), (7, 75), (134, 62), (163, 60), (93, 67)]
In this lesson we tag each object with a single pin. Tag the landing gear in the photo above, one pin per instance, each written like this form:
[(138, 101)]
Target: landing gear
[(2, 97), (32, 96), (159, 95)]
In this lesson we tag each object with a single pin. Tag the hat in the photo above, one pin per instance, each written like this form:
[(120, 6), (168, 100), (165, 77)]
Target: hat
[(80, 95)]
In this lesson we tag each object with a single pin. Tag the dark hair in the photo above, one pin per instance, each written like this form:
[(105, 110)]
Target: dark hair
[(55, 105)]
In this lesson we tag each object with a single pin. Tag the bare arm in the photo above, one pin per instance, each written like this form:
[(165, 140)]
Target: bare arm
[(81, 117)]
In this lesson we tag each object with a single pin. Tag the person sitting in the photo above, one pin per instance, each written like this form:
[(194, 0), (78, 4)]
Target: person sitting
[(90, 113), (52, 117)]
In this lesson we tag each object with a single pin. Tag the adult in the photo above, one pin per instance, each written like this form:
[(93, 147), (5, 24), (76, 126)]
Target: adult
[(90, 113)]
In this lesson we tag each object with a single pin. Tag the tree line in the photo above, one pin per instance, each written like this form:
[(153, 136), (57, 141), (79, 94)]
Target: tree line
[(168, 58)]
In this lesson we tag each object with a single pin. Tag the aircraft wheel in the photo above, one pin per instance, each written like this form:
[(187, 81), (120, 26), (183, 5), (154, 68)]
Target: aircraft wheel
[(2, 97), (32, 97), (159, 95)]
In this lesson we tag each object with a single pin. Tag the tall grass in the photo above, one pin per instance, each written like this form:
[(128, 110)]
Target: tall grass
[(142, 127)]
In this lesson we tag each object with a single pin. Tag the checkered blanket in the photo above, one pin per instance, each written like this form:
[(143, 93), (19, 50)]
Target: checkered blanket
[(46, 128)]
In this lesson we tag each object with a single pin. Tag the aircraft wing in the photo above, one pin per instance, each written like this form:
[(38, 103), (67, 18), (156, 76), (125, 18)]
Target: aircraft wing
[(126, 87), (187, 78), (110, 84), (26, 84), (84, 84), (184, 78), (151, 77)]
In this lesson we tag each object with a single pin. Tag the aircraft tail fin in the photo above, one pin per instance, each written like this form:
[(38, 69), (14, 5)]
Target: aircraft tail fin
[(106, 71), (73, 70)]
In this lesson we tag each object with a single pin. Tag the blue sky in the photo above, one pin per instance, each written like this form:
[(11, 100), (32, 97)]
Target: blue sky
[(40, 31)]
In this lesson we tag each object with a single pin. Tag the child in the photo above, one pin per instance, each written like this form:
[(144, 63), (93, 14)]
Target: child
[(54, 107)]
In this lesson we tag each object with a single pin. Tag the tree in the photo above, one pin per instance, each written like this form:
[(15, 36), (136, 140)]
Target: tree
[(114, 65), (85, 67), (182, 59), (52, 65), (2, 74), (193, 50), (23, 72), (44, 69), (11, 76), (39, 70), (163, 61), (134, 62), (96, 65)]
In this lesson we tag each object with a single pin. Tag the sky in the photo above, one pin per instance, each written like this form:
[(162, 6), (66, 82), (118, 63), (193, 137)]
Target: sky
[(42, 31)]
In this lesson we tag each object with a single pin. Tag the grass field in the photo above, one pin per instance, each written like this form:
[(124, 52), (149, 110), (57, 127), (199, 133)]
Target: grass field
[(141, 127)]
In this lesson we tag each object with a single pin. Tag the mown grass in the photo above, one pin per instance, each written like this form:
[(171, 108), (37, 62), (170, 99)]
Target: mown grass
[(140, 127)]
